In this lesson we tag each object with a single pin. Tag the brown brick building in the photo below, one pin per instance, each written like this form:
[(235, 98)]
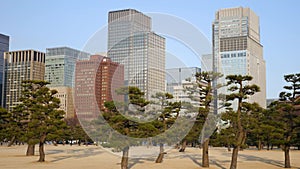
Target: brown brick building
[(110, 76), (95, 82)]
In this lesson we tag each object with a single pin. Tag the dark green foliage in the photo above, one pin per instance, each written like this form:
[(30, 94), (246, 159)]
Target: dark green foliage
[(205, 122), (201, 92), (5, 119), (287, 113), (265, 129), (132, 127), (75, 131), (45, 121), (239, 120), (125, 128)]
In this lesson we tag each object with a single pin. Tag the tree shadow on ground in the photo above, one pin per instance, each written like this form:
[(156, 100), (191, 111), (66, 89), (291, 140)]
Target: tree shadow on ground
[(53, 151), (218, 163), (81, 153), (135, 161), (212, 160), (264, 160), (195, 159)]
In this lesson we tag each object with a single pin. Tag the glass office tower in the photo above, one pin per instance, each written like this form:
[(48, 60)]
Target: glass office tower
[(60, 65), (59, 71), (142, 52), (237, 48), (4, 47)]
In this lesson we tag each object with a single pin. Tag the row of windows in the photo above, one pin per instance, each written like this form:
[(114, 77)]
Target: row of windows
[(233, 55)]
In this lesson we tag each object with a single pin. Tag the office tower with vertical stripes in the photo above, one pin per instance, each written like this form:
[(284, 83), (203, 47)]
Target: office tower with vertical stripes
[(19, 66), (237, 49), (142, 52)]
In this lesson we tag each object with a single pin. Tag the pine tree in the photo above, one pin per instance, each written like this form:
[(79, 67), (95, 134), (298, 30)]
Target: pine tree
[(240, 91), (4, 124), (166, 117), (125, 125), (287, 114), (45, 120), (205, 123), (123, 119)]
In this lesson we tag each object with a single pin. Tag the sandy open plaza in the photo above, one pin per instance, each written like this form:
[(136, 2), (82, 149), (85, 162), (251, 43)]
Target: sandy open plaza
[(90, 157)]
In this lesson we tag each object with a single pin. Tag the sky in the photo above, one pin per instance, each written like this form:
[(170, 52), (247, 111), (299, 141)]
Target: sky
[(36, 24)]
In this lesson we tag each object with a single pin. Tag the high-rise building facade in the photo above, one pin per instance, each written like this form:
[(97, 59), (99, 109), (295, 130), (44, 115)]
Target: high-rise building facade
[(59, 72), (4, 47), (96, 81), (19, 66), (60, 65), (207, 63), (142, 52), (237, 48), (110, 78)]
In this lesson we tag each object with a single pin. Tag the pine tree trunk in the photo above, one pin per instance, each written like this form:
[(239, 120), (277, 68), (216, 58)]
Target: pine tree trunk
[(41, 151), (233, 164), (12, 140), (86, 141), (41, 148), (259, 144), (228, 147), (161, 153), (205, 157), (236, 148), (30, 150), (287, 162), (183, 146), (243, 140), (124, 162)]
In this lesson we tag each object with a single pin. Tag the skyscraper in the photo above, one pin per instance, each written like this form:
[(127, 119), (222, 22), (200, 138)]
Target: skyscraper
[(207, 63), (237, 48), (19, 66), (96, 80), (60, 67), (110, 77), (142, 52), (4, 47)]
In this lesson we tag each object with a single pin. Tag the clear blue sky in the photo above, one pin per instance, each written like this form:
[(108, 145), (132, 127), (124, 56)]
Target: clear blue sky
[(36, 24)]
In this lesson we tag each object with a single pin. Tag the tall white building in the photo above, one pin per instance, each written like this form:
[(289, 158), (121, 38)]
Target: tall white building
[(237, 48), (142, 52)]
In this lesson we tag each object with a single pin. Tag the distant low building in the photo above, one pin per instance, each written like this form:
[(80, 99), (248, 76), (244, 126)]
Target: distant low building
[(65, 95), (175, 76), (269, 101)]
